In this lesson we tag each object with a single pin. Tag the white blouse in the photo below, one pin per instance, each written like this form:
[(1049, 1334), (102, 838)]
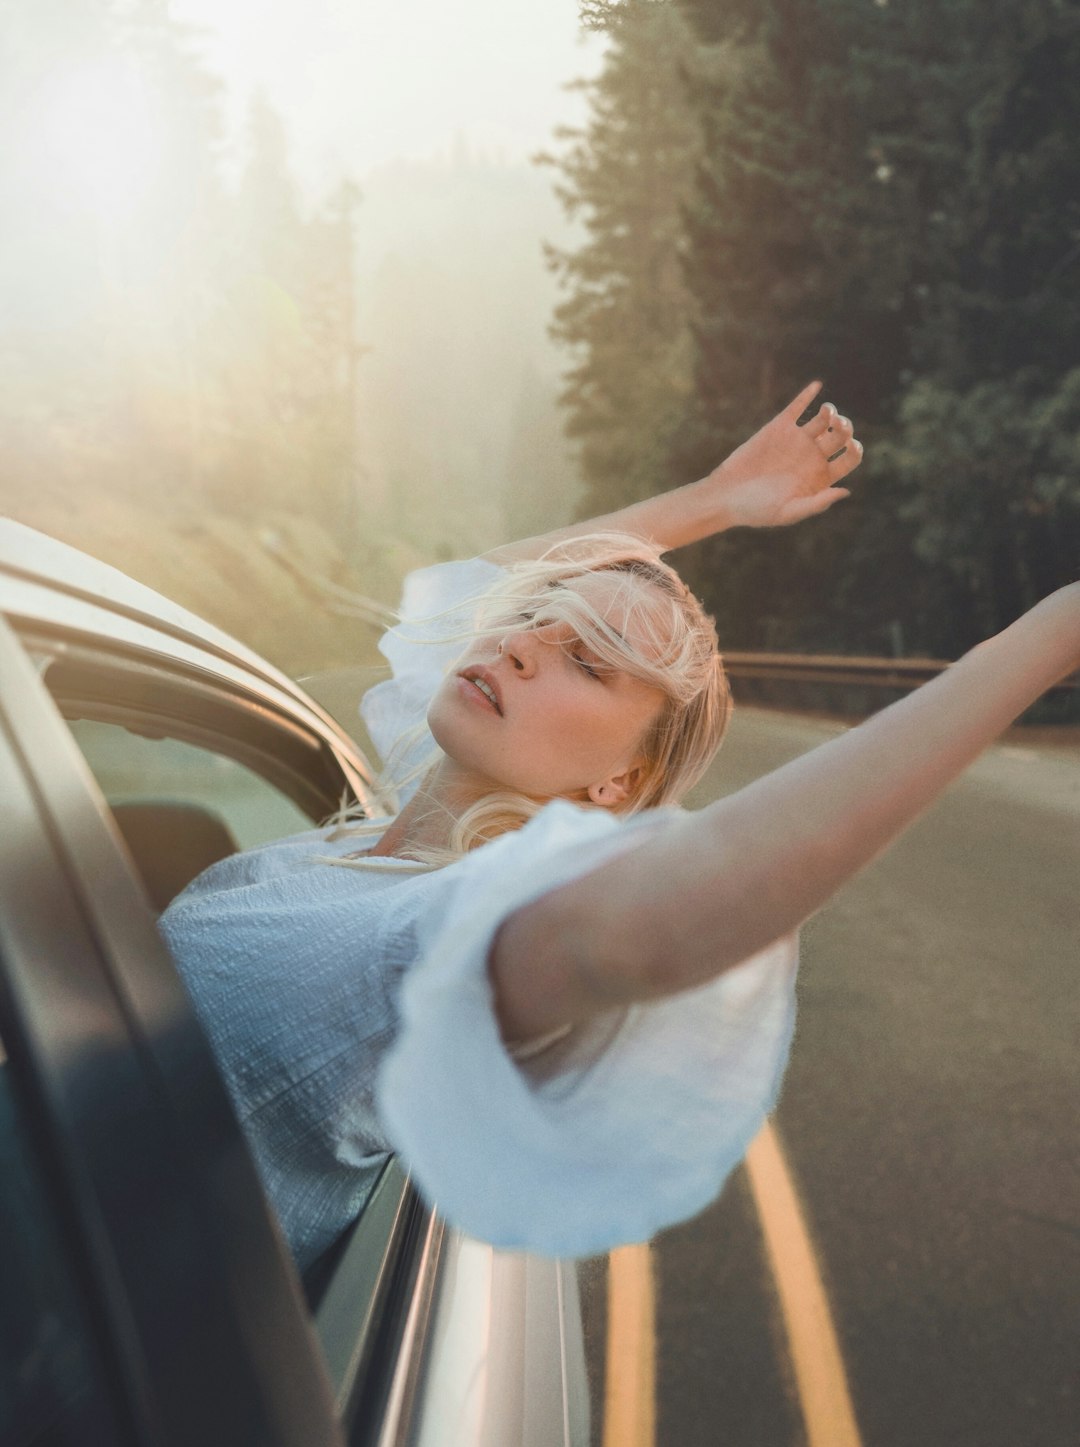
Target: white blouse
[(352, 1016)]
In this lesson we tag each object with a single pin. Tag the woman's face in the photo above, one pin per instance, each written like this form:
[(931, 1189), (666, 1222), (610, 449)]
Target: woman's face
[(536, 712)]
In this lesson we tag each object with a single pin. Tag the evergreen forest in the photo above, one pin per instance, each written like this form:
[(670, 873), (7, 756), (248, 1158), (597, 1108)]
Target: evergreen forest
[(884, 195)]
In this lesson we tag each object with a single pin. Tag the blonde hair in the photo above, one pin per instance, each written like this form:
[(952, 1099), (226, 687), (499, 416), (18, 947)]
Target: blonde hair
[(674, 650)]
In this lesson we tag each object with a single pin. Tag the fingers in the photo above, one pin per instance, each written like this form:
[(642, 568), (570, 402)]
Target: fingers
[(848, 460), (834, 435), (830, 497), (832, 432), (798, 405), (839, 434), (835, 439), (822, 421)]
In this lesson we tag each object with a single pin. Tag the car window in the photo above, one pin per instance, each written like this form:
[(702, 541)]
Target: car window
[(176, 1251), (132, 769), (193, 767), (190, 780), (155, 701), (52, 1385), (181, 807)]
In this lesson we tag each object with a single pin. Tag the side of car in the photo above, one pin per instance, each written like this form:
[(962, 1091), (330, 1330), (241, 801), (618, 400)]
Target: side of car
[(155, 1301)]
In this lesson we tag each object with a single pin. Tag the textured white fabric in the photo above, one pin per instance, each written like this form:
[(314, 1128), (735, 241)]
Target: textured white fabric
[(352, 1015), (617, 1131)]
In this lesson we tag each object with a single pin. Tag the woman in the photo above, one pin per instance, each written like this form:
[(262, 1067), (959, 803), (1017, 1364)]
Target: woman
[(567, 1004)]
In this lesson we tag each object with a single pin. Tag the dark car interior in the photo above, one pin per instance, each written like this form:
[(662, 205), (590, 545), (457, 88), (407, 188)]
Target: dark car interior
[(172, 843)]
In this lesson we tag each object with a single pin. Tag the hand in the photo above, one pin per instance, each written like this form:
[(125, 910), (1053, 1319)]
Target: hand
[(786, 473)]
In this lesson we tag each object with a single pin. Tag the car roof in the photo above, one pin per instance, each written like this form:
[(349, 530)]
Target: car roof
[(29, 554), (30, 557), (49, 583)]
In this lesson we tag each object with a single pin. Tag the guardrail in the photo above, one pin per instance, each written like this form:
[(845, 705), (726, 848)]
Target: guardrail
[(854, 686), (841, 668)]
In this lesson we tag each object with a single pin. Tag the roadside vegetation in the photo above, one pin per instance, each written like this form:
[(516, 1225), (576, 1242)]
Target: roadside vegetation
[(885, 195)]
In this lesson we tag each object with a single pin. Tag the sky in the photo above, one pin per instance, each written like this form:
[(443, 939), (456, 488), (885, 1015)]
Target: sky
[(360, 83)]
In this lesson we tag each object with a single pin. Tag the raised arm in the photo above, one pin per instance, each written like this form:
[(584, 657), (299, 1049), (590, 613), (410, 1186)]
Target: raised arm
[(781, 475), (725, 882)]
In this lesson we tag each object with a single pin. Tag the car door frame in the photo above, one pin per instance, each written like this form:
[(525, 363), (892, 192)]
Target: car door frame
[(382, 1348), (204, 1328)]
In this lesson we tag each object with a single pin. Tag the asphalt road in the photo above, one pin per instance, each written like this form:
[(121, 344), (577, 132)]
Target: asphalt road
[(929, 1119), (930, 1124)]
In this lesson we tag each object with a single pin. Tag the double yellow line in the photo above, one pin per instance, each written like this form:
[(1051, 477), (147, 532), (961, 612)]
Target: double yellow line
[(818, 1367)]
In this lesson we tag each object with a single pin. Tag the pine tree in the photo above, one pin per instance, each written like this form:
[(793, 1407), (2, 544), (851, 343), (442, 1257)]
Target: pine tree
[(890, 196), (887, 196), (797, 266), (626, 175), (796, 259), (985, 439)]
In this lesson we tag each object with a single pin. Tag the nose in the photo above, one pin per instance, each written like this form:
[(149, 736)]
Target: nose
[(520, 649)]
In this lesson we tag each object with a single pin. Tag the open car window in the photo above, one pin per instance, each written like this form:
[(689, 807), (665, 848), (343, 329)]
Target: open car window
[(181, 807), (192, 770), (222, 768), (135, 772), (188, 1299)]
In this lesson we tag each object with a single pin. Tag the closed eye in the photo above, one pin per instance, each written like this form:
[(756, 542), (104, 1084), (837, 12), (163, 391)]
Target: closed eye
[(587, 665)]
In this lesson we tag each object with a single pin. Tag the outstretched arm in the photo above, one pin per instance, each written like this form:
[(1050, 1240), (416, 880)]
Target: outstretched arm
[(723, 883), (781, 475)]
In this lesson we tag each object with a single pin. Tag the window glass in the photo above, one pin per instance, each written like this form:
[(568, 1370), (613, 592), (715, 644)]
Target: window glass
[(52, 1392), (180, 807), (131, 768)]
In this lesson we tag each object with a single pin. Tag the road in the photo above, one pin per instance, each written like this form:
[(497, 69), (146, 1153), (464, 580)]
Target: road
[(929, 1123)]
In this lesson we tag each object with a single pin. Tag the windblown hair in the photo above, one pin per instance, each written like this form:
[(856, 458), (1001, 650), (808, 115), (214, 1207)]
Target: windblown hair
[(674, 650)]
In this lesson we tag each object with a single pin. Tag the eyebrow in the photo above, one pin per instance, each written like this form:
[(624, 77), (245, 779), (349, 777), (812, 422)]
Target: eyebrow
[(554, 584)]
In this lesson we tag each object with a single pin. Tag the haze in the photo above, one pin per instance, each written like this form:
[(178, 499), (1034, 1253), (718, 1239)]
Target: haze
[(206, 343), (436, 110), (360, 84)]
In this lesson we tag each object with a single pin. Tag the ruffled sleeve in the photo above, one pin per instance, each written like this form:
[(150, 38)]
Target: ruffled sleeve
[(436, 613), (625, 1126)]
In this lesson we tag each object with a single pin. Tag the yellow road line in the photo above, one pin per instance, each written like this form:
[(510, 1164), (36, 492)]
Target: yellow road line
[(820, 1378), (815, 1351), (630, 1367)]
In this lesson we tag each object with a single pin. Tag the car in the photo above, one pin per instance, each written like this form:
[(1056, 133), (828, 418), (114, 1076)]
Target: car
[(148, 1295)]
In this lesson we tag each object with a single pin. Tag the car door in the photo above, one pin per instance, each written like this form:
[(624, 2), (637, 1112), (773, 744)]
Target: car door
[(174, 1264), (139, 763)]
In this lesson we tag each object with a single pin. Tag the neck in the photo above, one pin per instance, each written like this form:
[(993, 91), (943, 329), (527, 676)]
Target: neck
[(428, 819)]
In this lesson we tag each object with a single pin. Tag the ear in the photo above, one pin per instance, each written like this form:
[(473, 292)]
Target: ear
[(614, 791)]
